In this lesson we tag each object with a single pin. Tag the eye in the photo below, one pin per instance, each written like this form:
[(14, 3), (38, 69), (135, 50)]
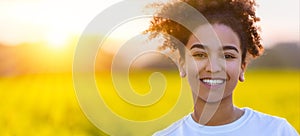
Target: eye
[(200, 55), (229, 56)]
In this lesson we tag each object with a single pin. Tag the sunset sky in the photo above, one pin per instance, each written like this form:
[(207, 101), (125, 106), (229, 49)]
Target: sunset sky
[(55, 21)]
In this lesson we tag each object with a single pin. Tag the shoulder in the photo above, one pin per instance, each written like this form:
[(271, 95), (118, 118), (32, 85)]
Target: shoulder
[(264, 118), (173, 127), (270, 124)]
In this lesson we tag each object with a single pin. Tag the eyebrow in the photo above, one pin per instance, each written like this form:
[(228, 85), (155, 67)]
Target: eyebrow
[(227, 47), (198, 45)]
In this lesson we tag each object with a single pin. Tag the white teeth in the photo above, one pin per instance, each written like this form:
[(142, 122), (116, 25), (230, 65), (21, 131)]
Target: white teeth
[(213, 81)]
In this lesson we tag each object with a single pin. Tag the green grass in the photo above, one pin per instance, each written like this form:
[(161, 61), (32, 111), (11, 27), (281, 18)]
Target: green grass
[(47, 105)]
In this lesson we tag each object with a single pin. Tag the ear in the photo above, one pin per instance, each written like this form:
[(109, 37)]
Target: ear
[(242, 72), (181, 67)]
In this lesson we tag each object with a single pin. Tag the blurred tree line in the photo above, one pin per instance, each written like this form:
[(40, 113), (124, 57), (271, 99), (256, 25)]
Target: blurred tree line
[(33, 58)]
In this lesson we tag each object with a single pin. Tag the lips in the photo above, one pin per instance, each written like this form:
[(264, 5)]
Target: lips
[(213, 81)]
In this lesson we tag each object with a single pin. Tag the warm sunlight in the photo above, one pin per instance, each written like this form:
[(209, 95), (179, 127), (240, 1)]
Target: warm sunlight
[(125, 32), (31, 21), (45, 20), (57, 39)]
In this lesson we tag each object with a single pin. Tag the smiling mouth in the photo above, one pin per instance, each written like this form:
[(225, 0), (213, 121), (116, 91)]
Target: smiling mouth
[(212, 82)]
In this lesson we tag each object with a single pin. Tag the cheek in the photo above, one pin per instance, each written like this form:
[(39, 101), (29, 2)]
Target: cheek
[(233, 69), (192, 66), (195, 67)]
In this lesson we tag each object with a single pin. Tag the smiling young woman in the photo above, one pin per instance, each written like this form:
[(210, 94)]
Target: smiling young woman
[(214, 67)]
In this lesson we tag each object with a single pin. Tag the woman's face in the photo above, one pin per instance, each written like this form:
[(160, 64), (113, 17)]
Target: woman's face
[(213, 67)]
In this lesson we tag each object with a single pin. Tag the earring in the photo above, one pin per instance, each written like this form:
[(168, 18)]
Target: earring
[(242, 77), (181, 68), (182, 73)]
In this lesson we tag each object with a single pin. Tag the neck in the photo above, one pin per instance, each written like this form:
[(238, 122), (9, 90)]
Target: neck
[(216, 113)]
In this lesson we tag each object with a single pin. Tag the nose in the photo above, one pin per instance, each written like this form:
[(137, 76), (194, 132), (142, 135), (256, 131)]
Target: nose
[(214, 65)]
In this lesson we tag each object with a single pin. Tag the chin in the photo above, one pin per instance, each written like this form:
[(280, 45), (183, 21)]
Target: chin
[(211, 98)]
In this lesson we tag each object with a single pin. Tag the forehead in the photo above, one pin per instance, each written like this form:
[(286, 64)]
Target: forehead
[(214, 36)]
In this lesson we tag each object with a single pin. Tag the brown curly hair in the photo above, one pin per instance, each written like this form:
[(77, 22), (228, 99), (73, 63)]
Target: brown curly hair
[(237, 14)]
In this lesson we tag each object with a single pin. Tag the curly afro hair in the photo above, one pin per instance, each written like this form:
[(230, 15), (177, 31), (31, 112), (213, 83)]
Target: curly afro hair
[(239, 15)]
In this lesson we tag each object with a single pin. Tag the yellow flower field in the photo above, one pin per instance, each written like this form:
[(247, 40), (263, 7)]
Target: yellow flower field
[(46, 104)]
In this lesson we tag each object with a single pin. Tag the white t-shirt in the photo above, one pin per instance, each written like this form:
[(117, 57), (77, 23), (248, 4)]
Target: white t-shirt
[(252, 123)]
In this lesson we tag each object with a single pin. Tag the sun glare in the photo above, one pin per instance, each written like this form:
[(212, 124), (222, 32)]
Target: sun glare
[(57, 39)]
